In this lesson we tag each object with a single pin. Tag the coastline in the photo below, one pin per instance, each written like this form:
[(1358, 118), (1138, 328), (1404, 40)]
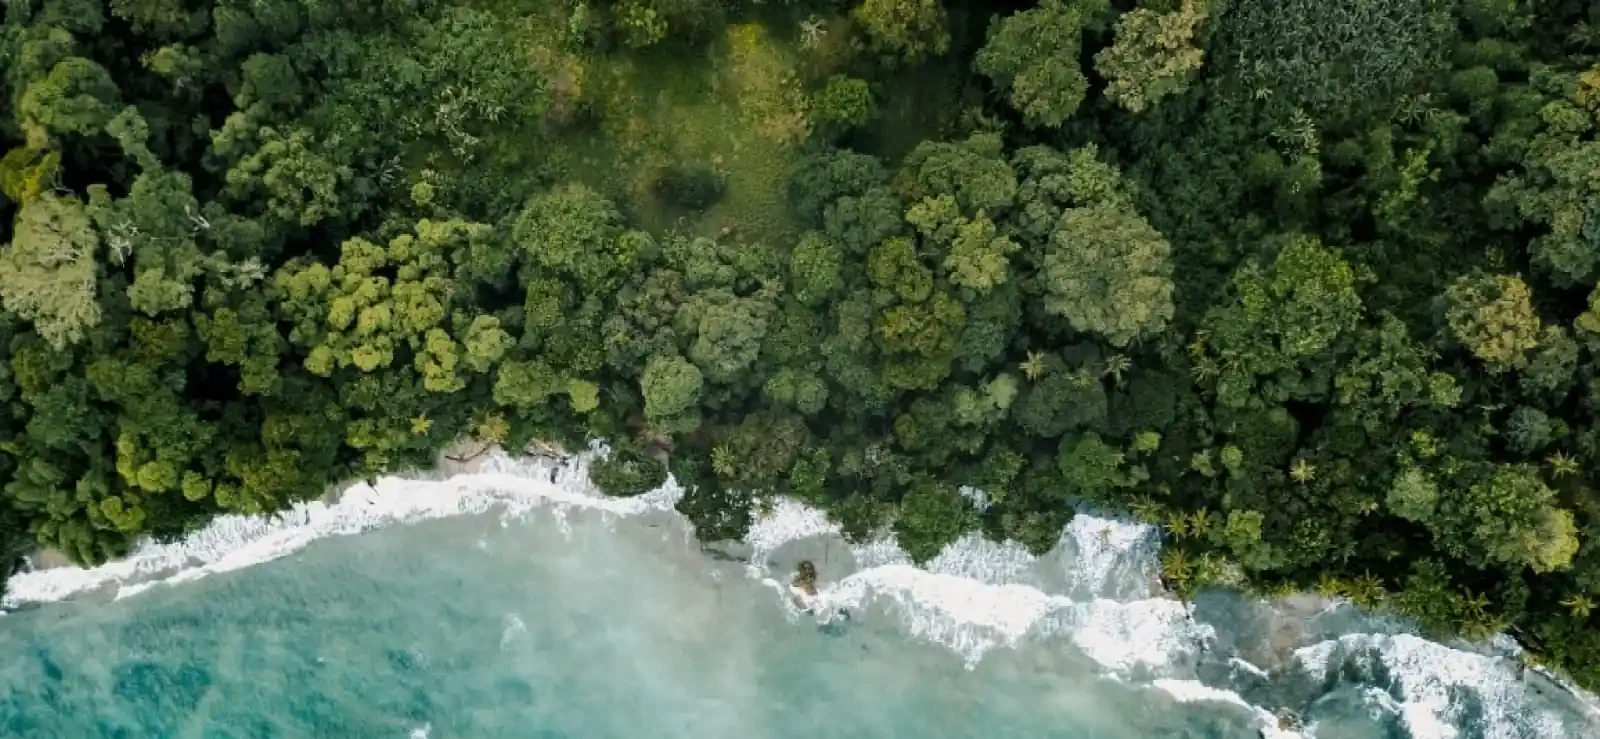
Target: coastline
[(976, 596), (462, 457)]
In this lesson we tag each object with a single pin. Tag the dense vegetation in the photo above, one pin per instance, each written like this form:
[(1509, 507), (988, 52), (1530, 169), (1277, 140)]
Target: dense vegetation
[(1309, 283)]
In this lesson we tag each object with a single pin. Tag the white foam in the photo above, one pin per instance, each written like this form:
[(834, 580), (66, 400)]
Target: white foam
[(1150, 634), (233, 542), (978, 594), (1425, 675), (788, 520), (514, 627), (1194, 691), (965, 615), (1108, 557), (971, 617), (1249, 667), (985, 560), (884, 550)]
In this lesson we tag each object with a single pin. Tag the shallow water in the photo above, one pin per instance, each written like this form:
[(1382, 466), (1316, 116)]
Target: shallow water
[(571, 621)]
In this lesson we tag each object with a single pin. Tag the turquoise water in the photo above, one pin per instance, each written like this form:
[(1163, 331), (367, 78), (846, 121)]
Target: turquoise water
[(578, 626), (462, 628)]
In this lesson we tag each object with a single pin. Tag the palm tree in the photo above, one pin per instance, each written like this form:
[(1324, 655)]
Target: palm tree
[(1034, 366), (1175, 566), (1115, 365), (1366, 591), (722, 461), (1178, 525), (1562, 465), (1579, 606), (1303, 471)]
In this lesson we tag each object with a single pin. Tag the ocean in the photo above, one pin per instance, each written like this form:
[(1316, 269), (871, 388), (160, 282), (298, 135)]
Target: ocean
[(514, 602)]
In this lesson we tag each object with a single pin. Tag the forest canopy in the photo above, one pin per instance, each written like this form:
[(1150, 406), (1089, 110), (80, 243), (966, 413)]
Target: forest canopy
[(1309, 284)]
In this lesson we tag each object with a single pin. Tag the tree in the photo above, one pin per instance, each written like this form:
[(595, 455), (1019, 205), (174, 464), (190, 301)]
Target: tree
[(727, 332), (1508, 518), (932, 516), (911, 29), (152, 232), (845, 102), (1492, 316), (485, 343), (26, 173), (1108, 272), (1033, 56), (1554, 188), (289, 176), (1050, 181), (920, 340), (974, 171), (1062, 399), (356, 315), (1155, 54), (48, 273), (803, 391), (1413, 495), (815, 269), (1277, 323), (526, 385), (160, 18), (819, 179), (895, 267), (1091, 468), (626, 472), (573, 231), (245, 335), (1388, 375), (979, 256), (76, 97), (671, 387)]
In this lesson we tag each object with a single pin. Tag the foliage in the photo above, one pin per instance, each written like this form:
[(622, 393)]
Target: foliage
[(1155, 55), (1033, 56), (1107, 271), (844, 101), (47, 273), (912, 29), (1493, 317), (1337, 55)]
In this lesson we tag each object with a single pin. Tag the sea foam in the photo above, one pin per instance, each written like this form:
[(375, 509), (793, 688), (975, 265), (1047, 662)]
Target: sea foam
[(977, 594), (1428, 682), (1193, 691), (516, 487)]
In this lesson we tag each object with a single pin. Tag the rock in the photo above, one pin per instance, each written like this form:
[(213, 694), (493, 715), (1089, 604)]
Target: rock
[(805, 577)]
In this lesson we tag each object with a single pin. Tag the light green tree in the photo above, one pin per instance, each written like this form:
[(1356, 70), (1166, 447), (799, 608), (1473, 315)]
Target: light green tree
[(48, 273), (1109, 272), (1155, 54), (1493, 317)]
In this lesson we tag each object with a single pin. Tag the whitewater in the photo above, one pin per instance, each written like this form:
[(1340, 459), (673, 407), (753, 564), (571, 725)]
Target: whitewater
[(516, 601)]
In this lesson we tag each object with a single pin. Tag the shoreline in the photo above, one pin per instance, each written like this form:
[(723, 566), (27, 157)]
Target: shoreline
[(791, 533), (462, 457)]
